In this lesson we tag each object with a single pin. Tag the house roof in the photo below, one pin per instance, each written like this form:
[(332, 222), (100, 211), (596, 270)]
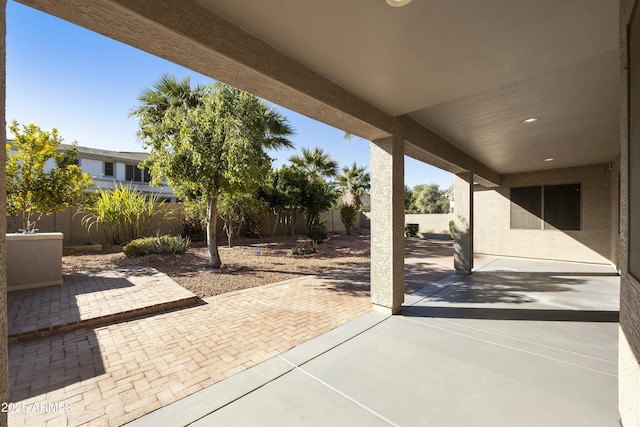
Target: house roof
[(108, 154), (103, 154)]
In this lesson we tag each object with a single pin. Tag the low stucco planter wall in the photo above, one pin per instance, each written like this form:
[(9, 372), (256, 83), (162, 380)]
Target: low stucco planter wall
[(34, 260)]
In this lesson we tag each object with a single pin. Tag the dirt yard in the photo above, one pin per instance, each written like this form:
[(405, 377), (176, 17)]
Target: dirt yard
[(243, 265)]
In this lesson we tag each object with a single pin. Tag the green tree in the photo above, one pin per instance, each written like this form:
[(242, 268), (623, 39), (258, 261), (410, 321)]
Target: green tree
[(237, 210), (209, 140), (429, 199), (318, 196), (289, 190), (348, 216), (168, 93), (284, 193), (408, 196), (355, 181), (40, 178), (316, 163)]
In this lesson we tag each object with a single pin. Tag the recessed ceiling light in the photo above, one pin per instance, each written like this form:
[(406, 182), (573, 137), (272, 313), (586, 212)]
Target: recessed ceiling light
[(398, 3), (529, 120), (550, 159)]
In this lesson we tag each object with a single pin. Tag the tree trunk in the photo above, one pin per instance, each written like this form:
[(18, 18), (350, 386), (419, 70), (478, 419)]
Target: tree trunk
[(229, 232), (236, 231), (26, 216), (212, 242), (357, 202), (277, 221), (296, 220)]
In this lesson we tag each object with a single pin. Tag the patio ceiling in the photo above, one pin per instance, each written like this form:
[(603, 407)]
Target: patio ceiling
[(471, 71), (468, 72)]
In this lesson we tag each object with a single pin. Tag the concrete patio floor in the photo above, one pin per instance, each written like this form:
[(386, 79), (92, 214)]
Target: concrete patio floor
[(520, 342)]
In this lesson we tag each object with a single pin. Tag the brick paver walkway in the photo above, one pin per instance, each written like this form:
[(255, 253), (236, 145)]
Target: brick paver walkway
[(90, 299), (113, 374)]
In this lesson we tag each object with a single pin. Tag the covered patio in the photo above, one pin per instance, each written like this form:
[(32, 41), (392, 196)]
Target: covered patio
[(529, 105), (468, 350)]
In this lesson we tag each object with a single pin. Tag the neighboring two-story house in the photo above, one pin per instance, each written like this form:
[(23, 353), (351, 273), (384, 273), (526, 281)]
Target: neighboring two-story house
[(110, 167)]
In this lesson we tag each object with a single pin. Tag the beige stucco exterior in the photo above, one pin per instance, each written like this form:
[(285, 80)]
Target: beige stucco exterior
[(430, 223), (629, 339), (4, 346), (592, 243), (387, 224), (464, 223)]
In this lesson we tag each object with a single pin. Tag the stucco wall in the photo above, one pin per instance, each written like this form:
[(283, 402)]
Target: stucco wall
[(615, 210), (334, 224), (629, 335), (119, 171), (493, 235), (4, 347), (33, 260), (92, 167), (430, 223)]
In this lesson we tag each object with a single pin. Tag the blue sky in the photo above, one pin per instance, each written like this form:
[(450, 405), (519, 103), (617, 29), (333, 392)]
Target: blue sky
[(84, 84)]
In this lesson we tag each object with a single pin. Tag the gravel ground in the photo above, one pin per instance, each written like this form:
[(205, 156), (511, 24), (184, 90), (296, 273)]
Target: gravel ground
[(242, 266)]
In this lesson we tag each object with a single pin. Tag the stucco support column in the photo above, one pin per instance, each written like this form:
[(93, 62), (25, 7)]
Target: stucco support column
[(4, 355), (463, 223), (387, 224)]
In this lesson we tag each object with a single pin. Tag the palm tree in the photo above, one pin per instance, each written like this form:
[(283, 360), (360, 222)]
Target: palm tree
[(355, 181), (316, 163), (166, 93)]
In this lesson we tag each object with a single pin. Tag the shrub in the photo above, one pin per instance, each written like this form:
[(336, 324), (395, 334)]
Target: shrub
[(157, 245), (452, 229), (304, 249), (124, 213), (348, 215), (317, 233), (411, 230), (195, 218)]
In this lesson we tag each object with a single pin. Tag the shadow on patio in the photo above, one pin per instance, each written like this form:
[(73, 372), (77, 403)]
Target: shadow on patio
[(514, 314), (446, 360), (63, 317)]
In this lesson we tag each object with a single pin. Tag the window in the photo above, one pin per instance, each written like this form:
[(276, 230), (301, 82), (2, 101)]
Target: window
[(562, 206), (67, 161), (132, 173), (526, 207), (108, 168), (549, 206)]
